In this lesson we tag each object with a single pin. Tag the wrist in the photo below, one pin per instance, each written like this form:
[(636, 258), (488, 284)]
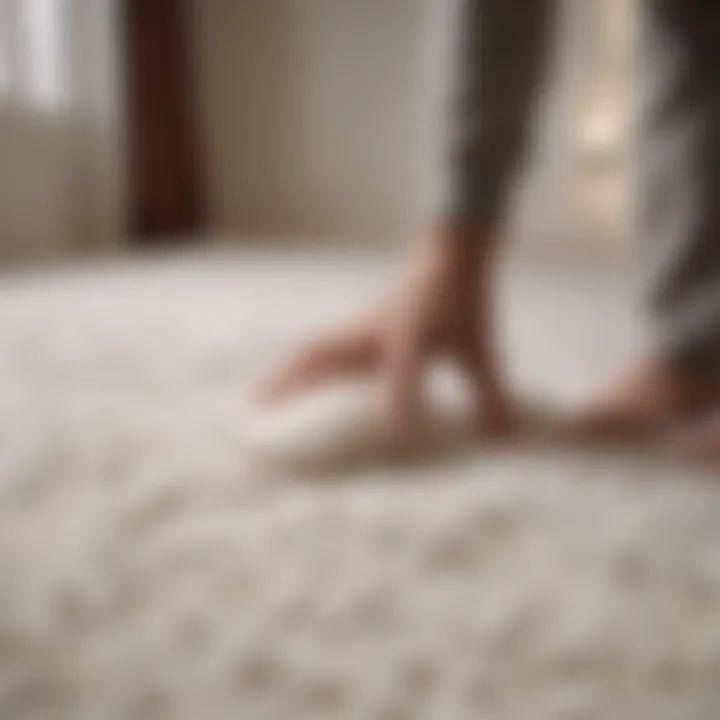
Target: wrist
[(465, 248)]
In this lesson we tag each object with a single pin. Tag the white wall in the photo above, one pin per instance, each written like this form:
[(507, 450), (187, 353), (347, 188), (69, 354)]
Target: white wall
[(308, 110), (315, 112)]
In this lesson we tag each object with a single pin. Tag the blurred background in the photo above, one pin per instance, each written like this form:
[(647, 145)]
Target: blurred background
[(128, 123), (192, 187)]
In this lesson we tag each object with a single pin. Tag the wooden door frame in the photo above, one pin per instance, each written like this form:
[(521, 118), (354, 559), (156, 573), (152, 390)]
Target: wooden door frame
[(165, 190)]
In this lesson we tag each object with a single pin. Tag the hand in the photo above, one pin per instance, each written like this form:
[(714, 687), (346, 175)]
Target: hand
[(443, 307)]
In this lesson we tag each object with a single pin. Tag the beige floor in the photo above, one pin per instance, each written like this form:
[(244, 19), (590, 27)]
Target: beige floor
[(147, 571)]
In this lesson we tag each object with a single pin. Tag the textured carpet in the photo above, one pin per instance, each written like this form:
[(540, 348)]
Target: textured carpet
[(149, 570)]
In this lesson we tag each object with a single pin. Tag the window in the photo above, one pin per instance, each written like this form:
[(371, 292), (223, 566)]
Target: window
[(31, 51), (41, 25)]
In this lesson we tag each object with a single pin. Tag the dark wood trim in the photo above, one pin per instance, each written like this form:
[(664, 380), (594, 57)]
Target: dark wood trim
[(165, 188)]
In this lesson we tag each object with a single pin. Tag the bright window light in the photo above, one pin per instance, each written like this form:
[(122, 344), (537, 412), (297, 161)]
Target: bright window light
[(42, 21)]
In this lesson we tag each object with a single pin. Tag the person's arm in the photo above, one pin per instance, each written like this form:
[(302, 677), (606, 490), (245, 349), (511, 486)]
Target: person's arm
[(503, 48), (444, 305)]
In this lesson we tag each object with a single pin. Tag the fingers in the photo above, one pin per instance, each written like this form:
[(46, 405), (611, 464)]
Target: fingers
[(494, 411), (338, 355), (404, 360)]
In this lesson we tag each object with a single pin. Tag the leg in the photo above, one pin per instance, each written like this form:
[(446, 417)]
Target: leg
[(679, 158), (680, 162)]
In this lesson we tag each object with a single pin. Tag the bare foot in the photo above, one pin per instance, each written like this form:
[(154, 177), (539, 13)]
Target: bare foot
[(701, 440), (643, 403)]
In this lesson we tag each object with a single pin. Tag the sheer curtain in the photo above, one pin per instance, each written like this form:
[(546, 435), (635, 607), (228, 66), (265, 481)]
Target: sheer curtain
[(60, 164)]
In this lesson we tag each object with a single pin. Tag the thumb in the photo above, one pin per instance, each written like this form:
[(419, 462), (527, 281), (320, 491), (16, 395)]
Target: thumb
[(318, 362), (495, 415)]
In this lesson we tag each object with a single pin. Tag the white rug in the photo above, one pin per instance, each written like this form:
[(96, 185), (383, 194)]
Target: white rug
[(147, 571)]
